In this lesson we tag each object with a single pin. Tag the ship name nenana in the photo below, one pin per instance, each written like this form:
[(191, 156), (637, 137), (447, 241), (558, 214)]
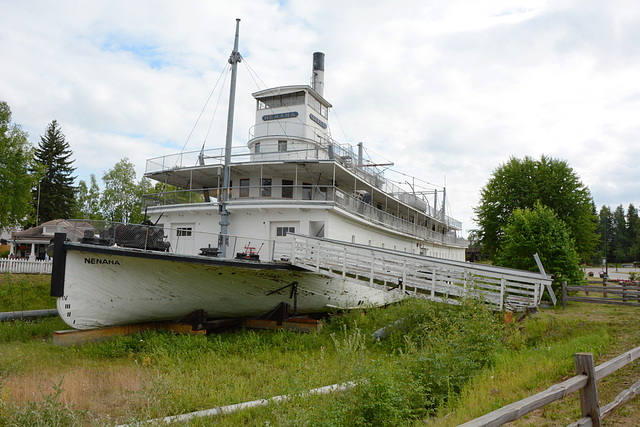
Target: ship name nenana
[(100, 261)]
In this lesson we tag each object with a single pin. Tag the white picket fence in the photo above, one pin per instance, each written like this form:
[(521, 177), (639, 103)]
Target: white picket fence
[(25, 266)]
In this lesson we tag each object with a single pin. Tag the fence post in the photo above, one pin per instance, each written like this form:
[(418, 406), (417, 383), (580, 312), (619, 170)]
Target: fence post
[(624, 291), (589, 394), (564, 294)]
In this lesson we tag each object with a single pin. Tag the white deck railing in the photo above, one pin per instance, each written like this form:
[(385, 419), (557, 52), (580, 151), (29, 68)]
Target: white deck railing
[(25, 266)]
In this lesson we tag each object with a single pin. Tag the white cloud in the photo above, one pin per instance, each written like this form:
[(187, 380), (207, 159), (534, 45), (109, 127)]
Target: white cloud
[(446, 90)]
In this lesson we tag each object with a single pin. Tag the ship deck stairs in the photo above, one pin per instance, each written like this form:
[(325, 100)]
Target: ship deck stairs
[(421, 276)]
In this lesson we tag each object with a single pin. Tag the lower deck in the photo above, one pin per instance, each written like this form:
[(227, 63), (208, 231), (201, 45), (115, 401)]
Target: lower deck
[(263, 227)]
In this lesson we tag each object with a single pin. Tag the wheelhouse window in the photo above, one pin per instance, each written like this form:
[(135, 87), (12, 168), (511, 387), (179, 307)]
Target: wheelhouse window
[(256, 148), (266, 187), (282, 231), (287, 189), (244, 187), (318, 106), (296, 98), (282, 146)]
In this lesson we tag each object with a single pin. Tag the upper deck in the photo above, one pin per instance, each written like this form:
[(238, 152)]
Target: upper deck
[(330, 169)]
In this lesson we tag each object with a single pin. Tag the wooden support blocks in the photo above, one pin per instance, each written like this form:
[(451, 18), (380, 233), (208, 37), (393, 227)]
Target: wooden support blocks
[(78, 337), (297, 324)]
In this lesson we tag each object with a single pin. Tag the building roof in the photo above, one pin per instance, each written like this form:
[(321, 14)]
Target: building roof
[(44, 233)]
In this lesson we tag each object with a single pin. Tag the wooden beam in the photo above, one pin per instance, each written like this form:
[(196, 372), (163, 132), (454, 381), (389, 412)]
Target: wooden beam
[(621, 399), (71, 337), (292, 324), (588, 394)]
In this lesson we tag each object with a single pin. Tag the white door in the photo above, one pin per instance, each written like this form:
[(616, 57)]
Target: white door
[(183, 238), (279, 231)]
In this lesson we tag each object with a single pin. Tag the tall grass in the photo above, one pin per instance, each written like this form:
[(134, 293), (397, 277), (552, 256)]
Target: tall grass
[(20, 292), (539, 350)]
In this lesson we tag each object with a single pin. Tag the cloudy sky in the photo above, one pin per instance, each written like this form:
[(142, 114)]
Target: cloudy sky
[(447, 90)]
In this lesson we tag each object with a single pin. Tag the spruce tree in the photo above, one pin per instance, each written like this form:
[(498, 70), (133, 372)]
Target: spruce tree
[(53, 195)]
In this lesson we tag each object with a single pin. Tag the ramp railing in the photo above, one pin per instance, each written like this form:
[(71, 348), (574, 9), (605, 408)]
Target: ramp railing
[(433, 278)]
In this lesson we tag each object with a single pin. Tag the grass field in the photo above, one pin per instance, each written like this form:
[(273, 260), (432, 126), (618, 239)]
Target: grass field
[(439, 364)]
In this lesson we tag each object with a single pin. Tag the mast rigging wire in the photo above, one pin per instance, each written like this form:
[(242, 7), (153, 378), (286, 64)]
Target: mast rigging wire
[(213, 116), (225, 69)]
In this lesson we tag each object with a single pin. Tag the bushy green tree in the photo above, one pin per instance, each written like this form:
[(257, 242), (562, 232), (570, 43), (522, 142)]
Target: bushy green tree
[(88, 200), (540, 230), (54, 195), (520, 184), (121, 199), (15, 179)]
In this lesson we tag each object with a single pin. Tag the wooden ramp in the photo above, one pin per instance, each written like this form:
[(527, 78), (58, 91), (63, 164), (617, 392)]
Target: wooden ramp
[(433, 278)]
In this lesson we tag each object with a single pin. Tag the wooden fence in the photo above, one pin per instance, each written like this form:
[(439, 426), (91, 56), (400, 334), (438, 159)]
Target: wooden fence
[(25, 266), (622, 293), (585, 382)]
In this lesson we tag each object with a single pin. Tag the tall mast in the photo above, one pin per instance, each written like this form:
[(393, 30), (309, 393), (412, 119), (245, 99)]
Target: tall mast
[(224, 194)]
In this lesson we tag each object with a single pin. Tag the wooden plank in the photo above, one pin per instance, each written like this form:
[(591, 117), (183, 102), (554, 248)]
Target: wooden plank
[(602, 289), (602, 301), (293, 324), (519, 409), (71, 337), (621, 399), (589, 404), (582, 422), (616, 363)]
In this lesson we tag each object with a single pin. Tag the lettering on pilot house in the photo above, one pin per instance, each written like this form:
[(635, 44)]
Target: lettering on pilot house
[(279, 116), (100, 261)]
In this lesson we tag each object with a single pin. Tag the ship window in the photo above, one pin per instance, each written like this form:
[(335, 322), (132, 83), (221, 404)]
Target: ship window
[(282, 146), (257, 148), (244, 187), (306, 191), (184, 231), (282, 231), (266, 187), (318, 106), (287, 189), (276, 101)]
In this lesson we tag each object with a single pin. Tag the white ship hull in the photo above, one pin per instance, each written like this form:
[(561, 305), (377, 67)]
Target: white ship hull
[(108, 286)]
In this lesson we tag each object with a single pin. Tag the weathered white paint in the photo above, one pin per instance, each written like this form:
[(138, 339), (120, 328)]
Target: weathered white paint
[(115, 289)]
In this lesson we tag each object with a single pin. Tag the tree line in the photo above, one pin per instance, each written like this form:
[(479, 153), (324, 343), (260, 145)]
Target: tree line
[(531, 206), (619, 234), (37, 183)]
